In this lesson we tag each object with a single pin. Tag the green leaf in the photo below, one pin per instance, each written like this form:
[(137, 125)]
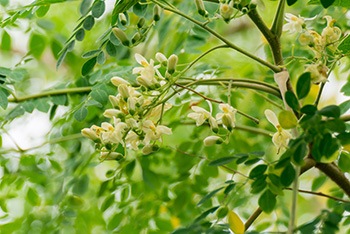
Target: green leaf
[(259, 184), (111, 49), (205, 214), (98, 9), (344, 161), (42, 104), (288, 175), (344, 107), (37, 45), (221, 161), (287, 119), (344, 46), (60, 99), (107, 202), (115, 221), (33, 197), (300, 152), (346, 88), (99, 95), (90, 53), (101, 58), (318, 182), (336, 125), (291, 2), (80, 34), (331, 111), (257, 171), (81, 114), (5, 41), (89, 22), (88, 66), (42, 10), (61, 57), (267, 201), (16, 112), (3, 99), (81, 185), (140, 9), (208, 196), (304, 85), (292, 100), (326, 3), (85, 6)]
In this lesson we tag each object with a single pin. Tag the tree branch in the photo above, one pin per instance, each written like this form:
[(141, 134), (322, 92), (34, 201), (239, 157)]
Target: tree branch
[(320, 194), (50, 93), (335, 174)]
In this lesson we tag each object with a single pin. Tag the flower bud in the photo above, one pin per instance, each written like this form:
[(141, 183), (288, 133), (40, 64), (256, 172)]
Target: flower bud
[(110, 113), (156, 13), (141, 22), (135, 38), (227, 121), (111, 156), (89, 133), (124, 91), (131, 103), (113, 100), (116, 81), (172, 62), (122, 18), (162, 59), (212, 140), (201, 8), (148, 149), (120, 34)]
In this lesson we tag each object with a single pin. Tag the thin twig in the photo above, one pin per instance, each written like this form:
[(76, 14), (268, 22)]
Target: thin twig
[(320, 194)]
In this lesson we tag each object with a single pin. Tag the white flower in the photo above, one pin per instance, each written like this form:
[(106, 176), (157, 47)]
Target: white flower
[(200, 115), (147, 72), (113, 134), (227, 116), (156, 112), (226, 10), (212, 140), (295, 24), (281, 138), (132, 140), (153, 132)]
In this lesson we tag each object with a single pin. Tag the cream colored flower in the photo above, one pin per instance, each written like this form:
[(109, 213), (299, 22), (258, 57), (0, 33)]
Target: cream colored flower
[(294, 23), (153, 132), (147, 72), (330, 34), (132, 140), (227, 116), (113, 134), (226, 10), (281, 138), (200, 115), (318, 72)]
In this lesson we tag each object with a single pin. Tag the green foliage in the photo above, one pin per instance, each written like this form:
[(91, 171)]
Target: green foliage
[(152, 162)]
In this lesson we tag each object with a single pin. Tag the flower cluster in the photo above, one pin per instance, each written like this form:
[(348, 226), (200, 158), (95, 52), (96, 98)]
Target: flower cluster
[(226, 118), (135, 116), (320, 44)]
